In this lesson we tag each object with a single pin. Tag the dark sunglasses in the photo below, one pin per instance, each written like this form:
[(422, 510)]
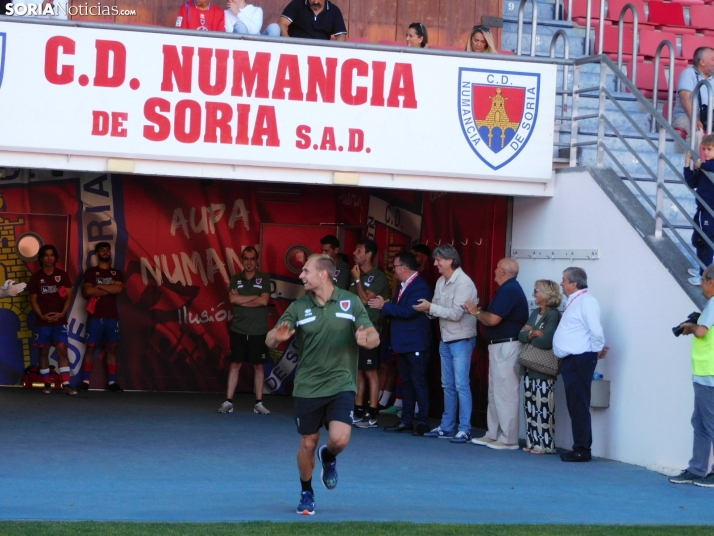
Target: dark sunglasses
[(482, 29)]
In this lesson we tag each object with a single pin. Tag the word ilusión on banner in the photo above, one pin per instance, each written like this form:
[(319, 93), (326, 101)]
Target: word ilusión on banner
[(374, 84)]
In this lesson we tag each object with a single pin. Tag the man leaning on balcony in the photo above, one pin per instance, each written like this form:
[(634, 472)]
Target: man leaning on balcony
[(311, 19)]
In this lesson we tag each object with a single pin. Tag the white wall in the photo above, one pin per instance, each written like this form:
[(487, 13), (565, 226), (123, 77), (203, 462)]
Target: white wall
[(651, 401)]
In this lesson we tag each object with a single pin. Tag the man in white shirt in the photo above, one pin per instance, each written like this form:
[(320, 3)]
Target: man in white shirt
[(702, 69), (244, 18), (579, 342)]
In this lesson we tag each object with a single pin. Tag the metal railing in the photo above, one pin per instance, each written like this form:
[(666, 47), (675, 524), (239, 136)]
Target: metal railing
[(620, 40), (666, 172), (534, 26), (610, 112)]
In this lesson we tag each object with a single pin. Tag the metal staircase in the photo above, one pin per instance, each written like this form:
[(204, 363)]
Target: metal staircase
[(599, 126)]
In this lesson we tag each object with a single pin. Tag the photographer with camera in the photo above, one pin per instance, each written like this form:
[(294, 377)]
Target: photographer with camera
[(698, 472)]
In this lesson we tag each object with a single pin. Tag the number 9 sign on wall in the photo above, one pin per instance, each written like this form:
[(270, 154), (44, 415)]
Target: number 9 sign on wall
[(216, 99)]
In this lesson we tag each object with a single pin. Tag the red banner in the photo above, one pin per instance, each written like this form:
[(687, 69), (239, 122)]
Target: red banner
[(179, 241)]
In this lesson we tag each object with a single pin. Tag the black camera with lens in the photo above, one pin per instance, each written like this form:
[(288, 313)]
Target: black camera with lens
[(691, 319)]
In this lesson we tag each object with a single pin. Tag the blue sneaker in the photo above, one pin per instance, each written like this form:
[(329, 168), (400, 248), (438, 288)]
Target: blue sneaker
[(329, 470), (307, 504), (441, 434), (462, 437)]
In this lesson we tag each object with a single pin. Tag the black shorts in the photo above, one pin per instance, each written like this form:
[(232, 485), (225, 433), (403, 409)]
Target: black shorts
[(312, 413), (370, 359), (248, 349)]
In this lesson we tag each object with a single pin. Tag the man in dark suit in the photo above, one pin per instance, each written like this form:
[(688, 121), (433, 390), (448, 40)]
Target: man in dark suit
[(411, 340)]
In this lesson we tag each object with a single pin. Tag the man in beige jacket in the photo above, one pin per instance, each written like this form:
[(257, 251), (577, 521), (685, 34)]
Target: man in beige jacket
[(458, 339)]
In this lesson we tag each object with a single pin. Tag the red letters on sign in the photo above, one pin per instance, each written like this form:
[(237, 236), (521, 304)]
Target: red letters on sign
[(324, 79), (402, 86), (188, 123), (253, 79), (349, 68), (118, 119), (250, 76), (162, 130), (302, 132), (288, 79), (205, 63), (117, 52), (177, 69), (100, 123), (218, 119), (52, 48)]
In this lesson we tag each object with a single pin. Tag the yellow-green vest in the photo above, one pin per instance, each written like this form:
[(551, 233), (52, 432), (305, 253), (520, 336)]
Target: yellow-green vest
[(703, 354)]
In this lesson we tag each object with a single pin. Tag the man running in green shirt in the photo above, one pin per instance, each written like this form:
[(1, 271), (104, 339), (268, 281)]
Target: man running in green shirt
[(331, 325), (330, 245), (249, 292), (367, 283)]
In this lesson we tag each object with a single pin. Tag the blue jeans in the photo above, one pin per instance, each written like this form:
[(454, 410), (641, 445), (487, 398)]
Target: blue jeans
[(455, 367), (273, 30), (703, 424)]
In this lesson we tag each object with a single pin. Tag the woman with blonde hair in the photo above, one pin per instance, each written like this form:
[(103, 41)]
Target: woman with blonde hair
[(481, 40), (539, 401), (417, 36)]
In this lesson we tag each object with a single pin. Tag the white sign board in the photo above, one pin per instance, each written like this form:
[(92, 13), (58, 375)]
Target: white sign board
[(216, 100)]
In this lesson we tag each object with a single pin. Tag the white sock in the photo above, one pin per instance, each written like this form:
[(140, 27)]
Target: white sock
[(416, 407), (398, 402), (384, 399)]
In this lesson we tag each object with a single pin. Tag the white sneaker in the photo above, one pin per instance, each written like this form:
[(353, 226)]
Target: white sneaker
[(482, 441), (694, 272), (261, 409), (502, 446), (226, 407), (695, 280)]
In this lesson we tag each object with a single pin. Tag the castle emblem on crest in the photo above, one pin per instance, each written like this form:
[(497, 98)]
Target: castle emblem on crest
[(498, 112)]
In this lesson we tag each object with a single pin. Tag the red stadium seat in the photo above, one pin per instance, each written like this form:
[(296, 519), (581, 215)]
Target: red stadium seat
[(702, 17), (610, 36), (645, 79), (358, 40), (689, 2), (690, 43), (393, 43), (580, 10), (668, 16), (614, 8), (507, 52), (650, 40)]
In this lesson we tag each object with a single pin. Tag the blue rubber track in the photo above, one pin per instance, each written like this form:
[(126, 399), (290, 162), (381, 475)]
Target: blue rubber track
[(172, 457)]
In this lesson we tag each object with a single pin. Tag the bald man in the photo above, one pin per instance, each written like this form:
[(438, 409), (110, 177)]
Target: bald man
[(506, 315)]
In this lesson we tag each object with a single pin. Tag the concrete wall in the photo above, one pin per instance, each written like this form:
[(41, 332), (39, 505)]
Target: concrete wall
[(651, 401)]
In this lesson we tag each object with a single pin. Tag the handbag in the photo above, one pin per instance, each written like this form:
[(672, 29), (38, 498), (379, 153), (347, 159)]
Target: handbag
[(543, 361)]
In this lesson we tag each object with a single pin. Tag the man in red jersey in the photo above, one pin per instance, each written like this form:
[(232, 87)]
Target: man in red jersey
[(51, 298), (201, 15), (101, 286)]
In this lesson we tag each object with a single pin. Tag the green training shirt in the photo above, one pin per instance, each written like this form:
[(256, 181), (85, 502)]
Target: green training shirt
[(343, 277), (373, 281), (250, 320), (327, 349)]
